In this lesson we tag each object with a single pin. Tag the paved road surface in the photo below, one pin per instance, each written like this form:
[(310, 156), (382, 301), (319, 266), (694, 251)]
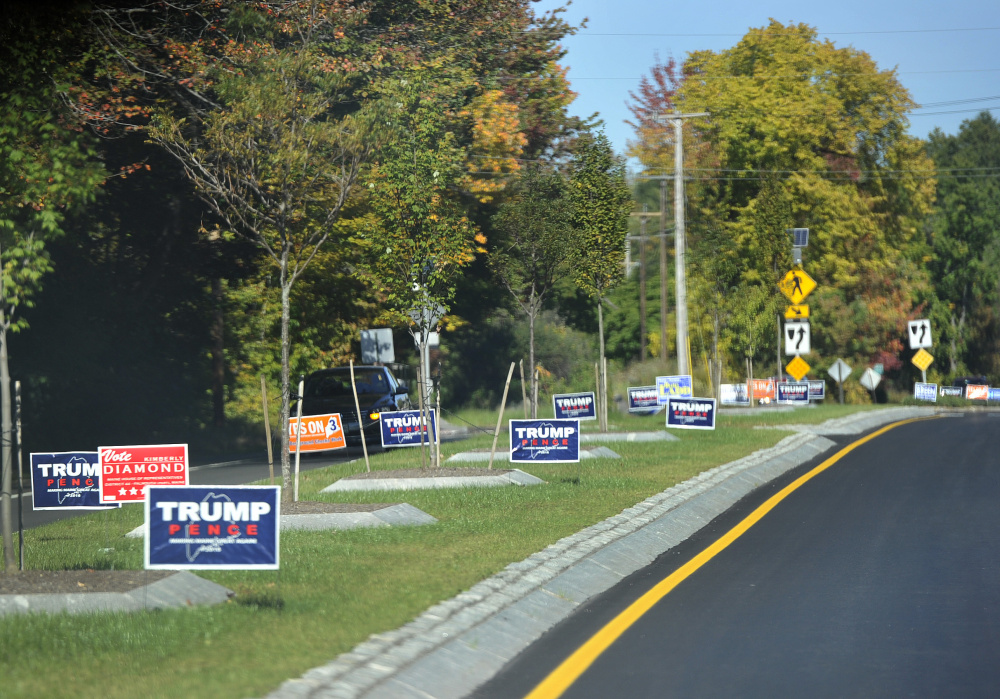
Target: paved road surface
[(878, 577)]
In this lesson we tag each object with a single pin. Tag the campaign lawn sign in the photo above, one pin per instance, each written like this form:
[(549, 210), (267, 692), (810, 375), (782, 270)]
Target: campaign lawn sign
[(793, 392), (993, 394), (955, 391), (763, 389), (668, 387), (579, 405), (319, 433), (734, 394), (403, 428), (548, 441), (977, 392), (925, 391), (126, 471), (817, 390), (212, 527), (691, 413), (642, 399), (66, 480)]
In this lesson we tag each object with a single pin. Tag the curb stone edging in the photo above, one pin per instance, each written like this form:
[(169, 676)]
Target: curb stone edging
[(462, 642)]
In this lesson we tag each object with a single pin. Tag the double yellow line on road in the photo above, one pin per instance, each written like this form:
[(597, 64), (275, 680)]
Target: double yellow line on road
[(576, 664)]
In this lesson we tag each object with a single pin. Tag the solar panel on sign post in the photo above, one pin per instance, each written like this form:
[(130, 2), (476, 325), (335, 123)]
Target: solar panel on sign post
[(800, 237)]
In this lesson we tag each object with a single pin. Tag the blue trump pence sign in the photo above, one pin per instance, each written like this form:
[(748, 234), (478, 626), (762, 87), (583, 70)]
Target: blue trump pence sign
[(66, 480), (792, 392), (642, 399), (691, 413), (212, 527), (404, 428), (579, 405), (551, 441)]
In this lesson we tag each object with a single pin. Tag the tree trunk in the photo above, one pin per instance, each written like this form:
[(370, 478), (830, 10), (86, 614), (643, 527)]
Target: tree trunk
[(602, 400), (6, 455), (532, 312), (286, 345), (218, 356)]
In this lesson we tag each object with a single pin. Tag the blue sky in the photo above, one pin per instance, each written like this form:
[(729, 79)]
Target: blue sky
[(946, 53)]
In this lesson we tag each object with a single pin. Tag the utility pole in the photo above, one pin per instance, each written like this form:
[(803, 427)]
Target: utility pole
[(677, 119), (642, 286), (663, 271)]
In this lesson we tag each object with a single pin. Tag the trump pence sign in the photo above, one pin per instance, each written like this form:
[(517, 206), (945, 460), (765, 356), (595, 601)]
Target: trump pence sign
[(551, 441), (213, 527)]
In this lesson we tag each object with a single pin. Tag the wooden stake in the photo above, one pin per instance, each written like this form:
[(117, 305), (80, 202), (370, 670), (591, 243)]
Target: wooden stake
[(503, 403), (267, 428), (361, 420)]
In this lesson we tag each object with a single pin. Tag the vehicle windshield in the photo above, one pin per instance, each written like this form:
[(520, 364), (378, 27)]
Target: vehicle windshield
[(338, 383)]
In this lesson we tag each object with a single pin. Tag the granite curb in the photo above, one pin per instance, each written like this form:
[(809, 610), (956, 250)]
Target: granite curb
[(460, 643), (183, 589)]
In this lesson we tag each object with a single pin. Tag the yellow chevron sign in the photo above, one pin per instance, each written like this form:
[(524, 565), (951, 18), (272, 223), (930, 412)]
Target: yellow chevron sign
[(797, 311)]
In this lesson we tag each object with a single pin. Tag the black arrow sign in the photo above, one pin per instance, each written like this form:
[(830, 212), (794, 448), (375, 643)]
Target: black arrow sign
[(923, 328), (802, 336)]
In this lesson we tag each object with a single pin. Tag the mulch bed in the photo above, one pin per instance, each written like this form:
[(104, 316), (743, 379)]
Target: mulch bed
[(428, 473), (61, 582)]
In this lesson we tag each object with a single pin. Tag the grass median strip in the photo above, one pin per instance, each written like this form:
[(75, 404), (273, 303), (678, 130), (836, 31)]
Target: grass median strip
[(336, 588)]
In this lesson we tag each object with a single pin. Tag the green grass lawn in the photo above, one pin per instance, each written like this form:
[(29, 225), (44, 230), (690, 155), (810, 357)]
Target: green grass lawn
[(334, 589)]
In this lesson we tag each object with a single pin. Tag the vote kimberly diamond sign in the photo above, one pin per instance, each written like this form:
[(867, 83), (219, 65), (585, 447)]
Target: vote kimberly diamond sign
[(125, 471), (212, 527)]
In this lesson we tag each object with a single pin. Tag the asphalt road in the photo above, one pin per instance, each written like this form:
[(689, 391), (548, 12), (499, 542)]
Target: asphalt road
[(879, 577), (226, 473)]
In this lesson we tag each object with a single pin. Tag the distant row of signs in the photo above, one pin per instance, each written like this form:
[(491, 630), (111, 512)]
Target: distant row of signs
[(930, 392), (403, 428)]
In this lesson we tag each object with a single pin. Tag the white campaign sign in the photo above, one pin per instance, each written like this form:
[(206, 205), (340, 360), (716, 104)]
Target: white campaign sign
[(919, 333), (797, 338)]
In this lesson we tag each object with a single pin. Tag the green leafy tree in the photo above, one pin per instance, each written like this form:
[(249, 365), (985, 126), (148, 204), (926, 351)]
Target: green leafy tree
[(821, 131), (601, 205), (419, 236), (273, 146), (534, 246), (965, 243), (47, 168)]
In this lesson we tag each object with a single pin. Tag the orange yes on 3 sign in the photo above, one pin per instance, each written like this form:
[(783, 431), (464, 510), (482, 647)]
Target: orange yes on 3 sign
[(319, 433)]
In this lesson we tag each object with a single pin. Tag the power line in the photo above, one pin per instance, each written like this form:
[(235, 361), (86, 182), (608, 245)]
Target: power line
[(819, 33)]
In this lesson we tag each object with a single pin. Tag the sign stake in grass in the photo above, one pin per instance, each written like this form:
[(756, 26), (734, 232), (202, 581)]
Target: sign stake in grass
[(503, 404), (361, 421), (267, 428), (524, 392), (298, 435)]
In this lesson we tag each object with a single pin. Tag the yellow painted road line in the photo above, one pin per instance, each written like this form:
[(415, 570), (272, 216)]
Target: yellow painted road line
[(576, 664)]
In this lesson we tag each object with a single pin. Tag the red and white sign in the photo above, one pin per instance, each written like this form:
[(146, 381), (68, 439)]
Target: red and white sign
[(977, 392), (319, 433), (126, 471)]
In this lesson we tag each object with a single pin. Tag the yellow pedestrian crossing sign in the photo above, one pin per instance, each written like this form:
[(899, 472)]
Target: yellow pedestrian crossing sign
[(798, 368), (922, 359), (797, 311), (796, 285)]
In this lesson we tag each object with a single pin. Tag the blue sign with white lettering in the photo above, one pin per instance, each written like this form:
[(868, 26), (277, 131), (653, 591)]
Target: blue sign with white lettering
[(642, 399), (691, 413), (817, 390), (792, 392), (925, 391), (209, 527), (668, 387), (575, 405), (954, 391), (66, 480), (993, 394), (404, 428), (549, 441)]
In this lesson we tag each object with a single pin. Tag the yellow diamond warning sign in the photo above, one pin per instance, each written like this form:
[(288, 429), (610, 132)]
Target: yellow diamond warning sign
[(796, 285), (922, 359), (797, 368), (797, 311)]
